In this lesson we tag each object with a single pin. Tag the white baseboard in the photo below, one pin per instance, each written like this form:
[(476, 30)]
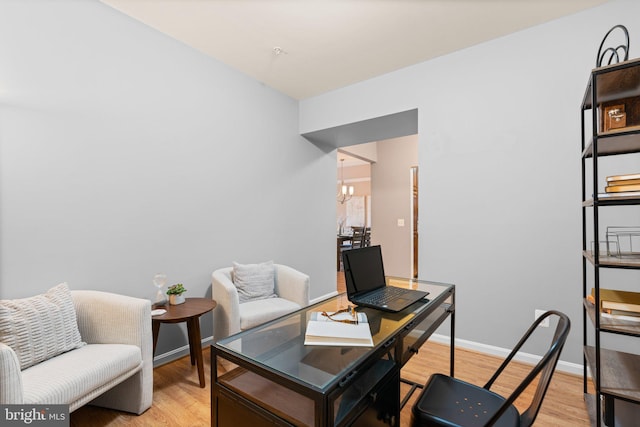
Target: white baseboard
[(175, 354), (567, 367)]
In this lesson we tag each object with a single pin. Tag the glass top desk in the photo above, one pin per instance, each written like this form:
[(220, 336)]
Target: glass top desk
[(270, 377)]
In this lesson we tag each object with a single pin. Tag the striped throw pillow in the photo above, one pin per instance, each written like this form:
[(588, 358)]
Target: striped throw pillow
[(40, 327)]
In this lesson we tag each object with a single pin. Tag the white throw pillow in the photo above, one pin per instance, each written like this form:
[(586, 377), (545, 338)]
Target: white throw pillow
[(254, 281), (40, 327)]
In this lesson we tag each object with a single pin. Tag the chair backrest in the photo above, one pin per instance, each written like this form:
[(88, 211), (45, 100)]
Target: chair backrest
[(543, 369), (358, 237), (366, 240)]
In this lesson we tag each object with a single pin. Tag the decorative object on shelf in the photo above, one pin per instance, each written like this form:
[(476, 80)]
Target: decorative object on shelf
[(175, 294), (613, 52), (159, 280), (346, 192), (614, 117), (607, 248), (624, 238)]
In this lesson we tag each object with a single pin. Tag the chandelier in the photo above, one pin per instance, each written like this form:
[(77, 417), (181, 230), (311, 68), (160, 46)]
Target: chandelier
[(346, 192)]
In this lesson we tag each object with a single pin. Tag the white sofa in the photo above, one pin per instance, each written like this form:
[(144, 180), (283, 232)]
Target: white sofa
[(114, 369), (231, 316)]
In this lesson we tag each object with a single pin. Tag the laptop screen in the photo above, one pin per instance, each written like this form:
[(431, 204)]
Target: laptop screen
[(363, 269)]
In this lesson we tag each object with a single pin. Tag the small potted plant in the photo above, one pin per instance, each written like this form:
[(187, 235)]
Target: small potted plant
[(175, 294)]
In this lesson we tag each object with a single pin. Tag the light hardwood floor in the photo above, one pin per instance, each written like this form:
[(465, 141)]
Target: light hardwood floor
[(179, 401)]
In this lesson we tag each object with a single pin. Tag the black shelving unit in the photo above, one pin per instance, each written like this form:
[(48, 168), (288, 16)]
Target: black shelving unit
[(615, 375)]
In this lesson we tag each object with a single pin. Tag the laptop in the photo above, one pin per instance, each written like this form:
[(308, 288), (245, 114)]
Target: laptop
[(366, 284)]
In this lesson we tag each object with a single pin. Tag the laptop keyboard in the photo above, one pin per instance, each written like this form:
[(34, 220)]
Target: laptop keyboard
[(385, 295)]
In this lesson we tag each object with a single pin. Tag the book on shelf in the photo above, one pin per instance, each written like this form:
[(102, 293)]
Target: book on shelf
[(623, 301), (324, 331), (623, 183), (620, 179), (622, 188), (616, 315)]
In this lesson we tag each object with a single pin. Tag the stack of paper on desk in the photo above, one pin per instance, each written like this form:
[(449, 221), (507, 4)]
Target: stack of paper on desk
[(324, 331)]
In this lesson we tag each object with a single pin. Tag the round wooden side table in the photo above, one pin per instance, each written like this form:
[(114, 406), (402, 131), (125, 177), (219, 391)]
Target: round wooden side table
[(190, 312)]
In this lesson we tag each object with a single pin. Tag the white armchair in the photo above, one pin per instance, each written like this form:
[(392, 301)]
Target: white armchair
[(114, 369), (231, 316)]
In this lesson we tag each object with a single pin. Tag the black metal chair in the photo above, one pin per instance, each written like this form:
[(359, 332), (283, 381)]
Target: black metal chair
[(447, 401)]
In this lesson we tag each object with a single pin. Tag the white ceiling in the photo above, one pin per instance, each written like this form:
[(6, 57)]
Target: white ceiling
[(329, 44)]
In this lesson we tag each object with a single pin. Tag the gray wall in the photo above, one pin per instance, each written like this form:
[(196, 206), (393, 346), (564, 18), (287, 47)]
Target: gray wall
[(499, 157), (124, 153)]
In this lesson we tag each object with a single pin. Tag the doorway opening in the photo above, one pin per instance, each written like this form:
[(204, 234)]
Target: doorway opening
[(392, 212), (389, 207)]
